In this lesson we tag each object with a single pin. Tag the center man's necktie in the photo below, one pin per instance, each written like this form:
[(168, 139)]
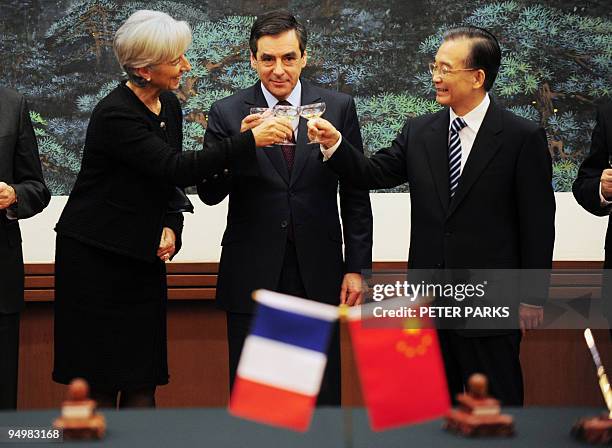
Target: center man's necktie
[(288, 150), (454, 154)]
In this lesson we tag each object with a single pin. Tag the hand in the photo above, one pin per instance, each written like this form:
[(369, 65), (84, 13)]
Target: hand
[(7, 196), (351, 292), (530, 317), (250, 121), (272, 131), (606, 183), (323, 131), (167, 244)]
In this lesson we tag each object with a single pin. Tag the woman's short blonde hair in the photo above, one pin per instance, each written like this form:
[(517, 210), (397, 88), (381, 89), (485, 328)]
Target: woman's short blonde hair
[(148, 38)]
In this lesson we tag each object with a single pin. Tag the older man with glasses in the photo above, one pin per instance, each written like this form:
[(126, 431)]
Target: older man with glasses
[(481, 196)]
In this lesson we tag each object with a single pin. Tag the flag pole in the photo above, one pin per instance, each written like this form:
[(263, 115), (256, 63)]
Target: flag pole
[(347, 412)]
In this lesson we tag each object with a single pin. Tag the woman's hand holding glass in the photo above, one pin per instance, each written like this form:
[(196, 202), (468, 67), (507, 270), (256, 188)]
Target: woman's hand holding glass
[(256, 117), (267, 128)]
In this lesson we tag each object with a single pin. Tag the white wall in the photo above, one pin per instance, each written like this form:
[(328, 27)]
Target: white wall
[(580, 236)]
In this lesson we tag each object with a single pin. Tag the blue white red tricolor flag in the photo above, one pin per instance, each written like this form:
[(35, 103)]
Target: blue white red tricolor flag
[(283, 360)]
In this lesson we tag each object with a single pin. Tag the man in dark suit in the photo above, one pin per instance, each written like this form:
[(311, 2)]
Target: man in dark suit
[(283, 228), (22, 194), (593, 190), (481, 196)]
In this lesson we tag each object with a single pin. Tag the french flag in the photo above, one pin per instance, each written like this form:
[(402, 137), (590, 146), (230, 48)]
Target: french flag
[(282, 362)]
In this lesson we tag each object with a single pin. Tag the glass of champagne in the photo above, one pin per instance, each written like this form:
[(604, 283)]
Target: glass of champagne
[(291, 112), (312, 111)]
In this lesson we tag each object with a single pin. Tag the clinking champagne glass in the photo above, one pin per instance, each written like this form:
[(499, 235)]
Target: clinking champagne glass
[(291, 112), (312, 111)]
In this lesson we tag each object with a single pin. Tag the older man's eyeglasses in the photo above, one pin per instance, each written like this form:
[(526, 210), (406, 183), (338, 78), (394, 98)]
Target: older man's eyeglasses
[(443, 70)]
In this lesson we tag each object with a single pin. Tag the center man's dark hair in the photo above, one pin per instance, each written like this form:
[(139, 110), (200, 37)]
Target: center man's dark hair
[(485, 53), (277, 22)]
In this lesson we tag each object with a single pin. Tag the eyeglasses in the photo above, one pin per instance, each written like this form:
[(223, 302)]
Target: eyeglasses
[(444, 70)]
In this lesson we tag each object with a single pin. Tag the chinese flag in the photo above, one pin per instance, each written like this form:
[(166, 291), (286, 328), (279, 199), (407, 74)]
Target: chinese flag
[(402, 374)]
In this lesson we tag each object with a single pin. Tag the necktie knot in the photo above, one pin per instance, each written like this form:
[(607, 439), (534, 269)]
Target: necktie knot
[(284, 103), (458, 124)]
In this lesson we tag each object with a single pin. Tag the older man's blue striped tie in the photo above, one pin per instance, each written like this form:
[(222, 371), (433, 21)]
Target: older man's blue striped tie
[(454, 154)]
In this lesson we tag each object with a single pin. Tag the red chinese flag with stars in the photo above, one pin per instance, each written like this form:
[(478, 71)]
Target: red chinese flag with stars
[(401, 371)]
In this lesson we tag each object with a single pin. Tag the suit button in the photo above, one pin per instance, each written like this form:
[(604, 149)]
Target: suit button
[(215, 176), (284, 224), (203, 181), (226, 171), (448, 233)]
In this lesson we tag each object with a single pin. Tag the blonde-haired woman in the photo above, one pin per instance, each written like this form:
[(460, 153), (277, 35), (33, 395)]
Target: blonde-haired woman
[(121, 223)]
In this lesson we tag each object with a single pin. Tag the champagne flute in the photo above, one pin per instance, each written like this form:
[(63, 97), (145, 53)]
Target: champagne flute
[(291, 112), (312, 111)]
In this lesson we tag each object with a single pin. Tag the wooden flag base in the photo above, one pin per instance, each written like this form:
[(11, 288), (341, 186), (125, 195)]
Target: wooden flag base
[(93, 427), (79, 419), (460, 422), (479, 414), (594, 430)]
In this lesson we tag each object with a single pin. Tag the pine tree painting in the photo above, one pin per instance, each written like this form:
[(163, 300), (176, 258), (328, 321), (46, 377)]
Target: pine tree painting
[(557, 64)]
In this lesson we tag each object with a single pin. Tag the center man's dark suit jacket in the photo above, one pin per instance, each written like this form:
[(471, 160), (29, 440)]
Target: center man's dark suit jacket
[(502, 214), (265, 201), (19, 167)]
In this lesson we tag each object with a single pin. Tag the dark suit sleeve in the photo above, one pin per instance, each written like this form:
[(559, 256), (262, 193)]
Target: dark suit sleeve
[(586, 185), (129, 140), (385, 169), (213, 190), (355, 207), (174, 221), (535, 201), (32, 194)]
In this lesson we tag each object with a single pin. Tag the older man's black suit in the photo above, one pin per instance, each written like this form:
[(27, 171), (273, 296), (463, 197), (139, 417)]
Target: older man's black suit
[(501, 217), (20, 168), (283, 228), (586, 190)]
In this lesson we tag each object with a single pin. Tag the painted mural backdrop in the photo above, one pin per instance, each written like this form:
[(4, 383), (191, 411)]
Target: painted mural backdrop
[(557, 63)]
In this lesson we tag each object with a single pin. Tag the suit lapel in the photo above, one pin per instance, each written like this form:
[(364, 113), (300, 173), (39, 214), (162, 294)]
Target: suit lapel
[(272, 154), (486, 145), (437, 156), (303, 149)]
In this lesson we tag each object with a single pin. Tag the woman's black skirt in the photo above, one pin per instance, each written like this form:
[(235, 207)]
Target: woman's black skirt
[(110, 318)]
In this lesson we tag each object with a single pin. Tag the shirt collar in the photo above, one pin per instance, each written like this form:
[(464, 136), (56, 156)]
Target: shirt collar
[(294, 98), (475, 117)]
